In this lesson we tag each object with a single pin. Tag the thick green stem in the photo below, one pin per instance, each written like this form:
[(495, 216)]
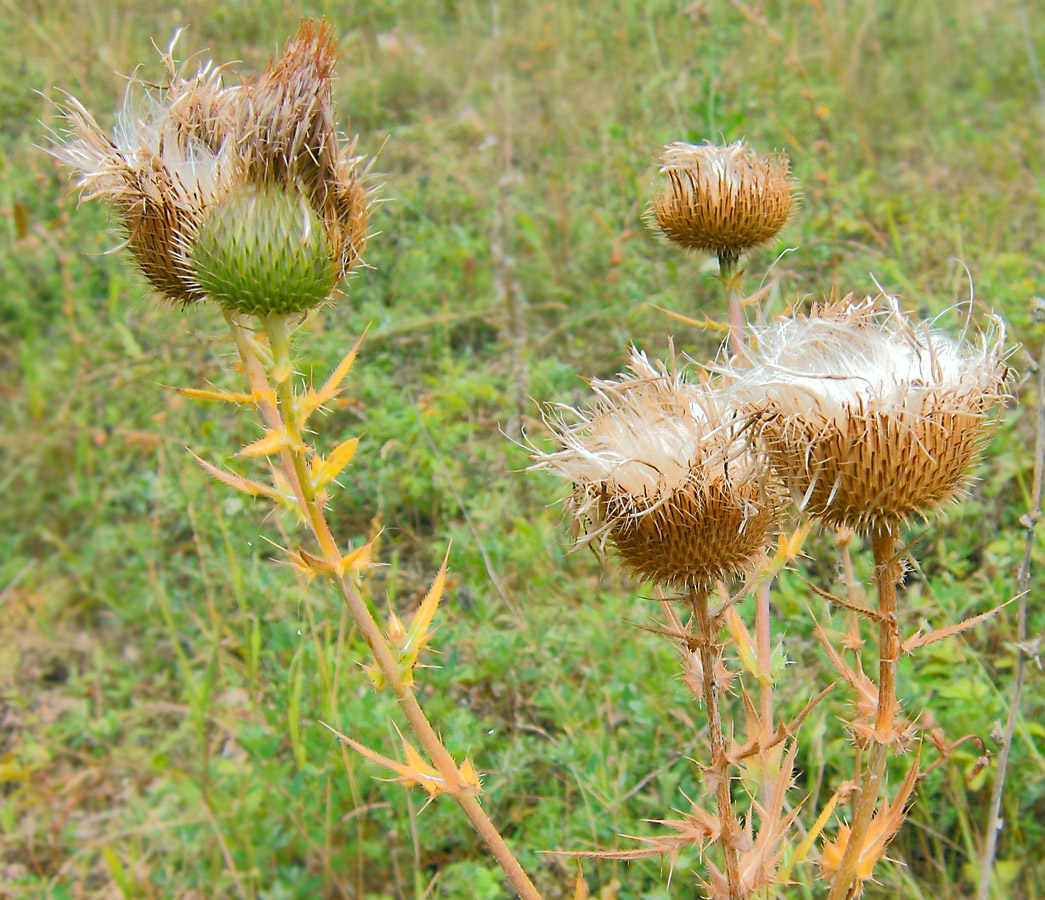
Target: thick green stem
[(279, 416), (710, 649), (887, 573)]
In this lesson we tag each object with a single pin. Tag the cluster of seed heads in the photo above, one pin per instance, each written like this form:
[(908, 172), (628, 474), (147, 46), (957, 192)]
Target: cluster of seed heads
[(865, 418)]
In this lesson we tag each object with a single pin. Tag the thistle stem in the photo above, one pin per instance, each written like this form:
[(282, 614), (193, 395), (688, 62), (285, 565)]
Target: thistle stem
[(887, 573), (710, 649), (730, 278), (277, 408), (728, 274)]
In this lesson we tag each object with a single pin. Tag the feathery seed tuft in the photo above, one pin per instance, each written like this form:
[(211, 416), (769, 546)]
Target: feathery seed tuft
[(658, 471), (868, 417)]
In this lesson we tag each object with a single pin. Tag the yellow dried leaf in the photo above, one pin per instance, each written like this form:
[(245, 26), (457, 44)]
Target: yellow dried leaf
[(312, 400), (326, 470), (272, 442), (237, 482), (222, 396), (414, 771)]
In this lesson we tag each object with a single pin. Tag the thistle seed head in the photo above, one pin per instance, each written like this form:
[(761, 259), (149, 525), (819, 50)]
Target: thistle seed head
[(723, 200), (868, 417), (658, 471), (177, 165)]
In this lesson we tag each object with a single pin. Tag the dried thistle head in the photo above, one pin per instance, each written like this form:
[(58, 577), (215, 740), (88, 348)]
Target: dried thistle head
[(869, 417), (723, 200), (257, 171), (658, 471)]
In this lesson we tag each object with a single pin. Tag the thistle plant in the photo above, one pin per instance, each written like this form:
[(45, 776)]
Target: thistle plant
[(728, 200), (871, 419), (247, 195), (660, 471)]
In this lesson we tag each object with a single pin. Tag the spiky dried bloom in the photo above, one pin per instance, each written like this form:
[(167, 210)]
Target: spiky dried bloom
[(869, 417), (197, 154), (658, 471), (723, 200)]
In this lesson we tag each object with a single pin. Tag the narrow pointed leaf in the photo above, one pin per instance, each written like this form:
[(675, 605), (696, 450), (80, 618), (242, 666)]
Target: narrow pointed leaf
[(423, 774), (221, 396), (272, 442), (312, 400), (237, 482), (326, 470), (917, 639)]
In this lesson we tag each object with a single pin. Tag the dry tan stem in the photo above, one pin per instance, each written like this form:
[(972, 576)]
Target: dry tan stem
[(730, 277), (294, 469), (710, 649), (887, 574)]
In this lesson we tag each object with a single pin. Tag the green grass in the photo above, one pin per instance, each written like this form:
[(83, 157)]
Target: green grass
[(162, 681)]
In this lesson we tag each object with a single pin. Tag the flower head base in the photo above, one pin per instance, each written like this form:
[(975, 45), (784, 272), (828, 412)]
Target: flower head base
[(723, 200), (658, 471), (177, 170), (868, 418)]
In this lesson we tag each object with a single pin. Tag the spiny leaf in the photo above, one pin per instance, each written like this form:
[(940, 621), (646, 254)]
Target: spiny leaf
[(414, 771), (273, 442), (418, 635), (222, 396), (326, 470), (312, 400), (745, 647), (917, 639), (237, 482), (311, 564)]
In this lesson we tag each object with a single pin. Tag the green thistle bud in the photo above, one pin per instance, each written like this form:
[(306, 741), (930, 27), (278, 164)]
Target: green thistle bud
[(263, 250)]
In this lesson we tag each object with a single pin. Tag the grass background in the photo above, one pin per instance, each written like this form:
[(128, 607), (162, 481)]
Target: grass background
[(161, 680)]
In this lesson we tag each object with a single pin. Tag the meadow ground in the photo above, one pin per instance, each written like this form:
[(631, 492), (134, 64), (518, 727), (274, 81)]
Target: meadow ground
[(162, 681)]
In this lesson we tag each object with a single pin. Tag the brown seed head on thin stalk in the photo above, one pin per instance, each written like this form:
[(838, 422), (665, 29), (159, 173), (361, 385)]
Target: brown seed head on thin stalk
[(723, 200), (194, 157), (869, 417), (658, 471)]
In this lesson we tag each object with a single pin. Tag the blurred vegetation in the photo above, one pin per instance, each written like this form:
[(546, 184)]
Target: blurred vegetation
[(162, 682)]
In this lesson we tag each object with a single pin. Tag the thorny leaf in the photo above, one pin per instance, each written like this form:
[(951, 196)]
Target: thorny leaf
[(221, 396), (697, 828), (311, 565), (863, 687), (417, 635), (918, 639), (416, 770), (745, 647), (884, 825), (802, 851), (273, 442), (312, 400), (323, 471), (760, 856), (788, 548), (237, 482)]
